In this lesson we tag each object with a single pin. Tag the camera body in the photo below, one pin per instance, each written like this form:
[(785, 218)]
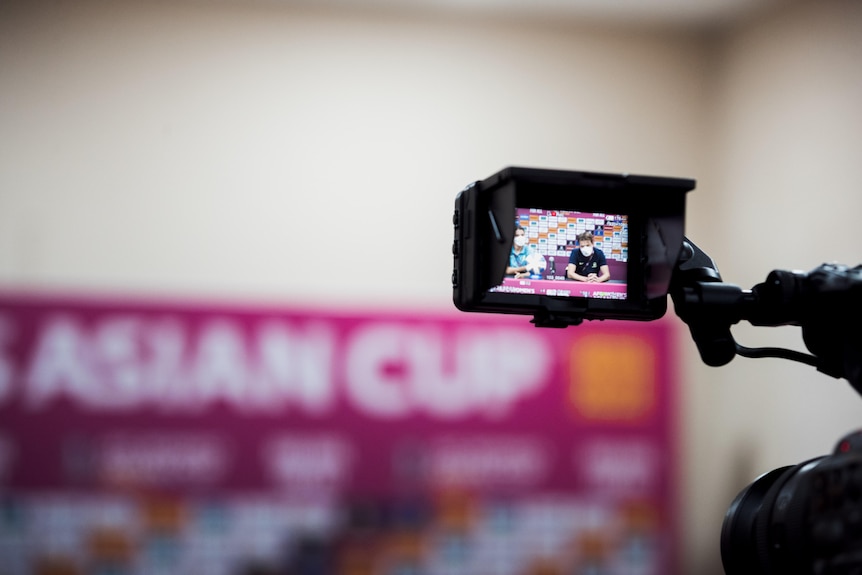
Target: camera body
[(637, 221)]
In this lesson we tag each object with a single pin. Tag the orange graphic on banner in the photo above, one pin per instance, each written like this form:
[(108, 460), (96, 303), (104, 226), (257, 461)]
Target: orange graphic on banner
[(612, 378)]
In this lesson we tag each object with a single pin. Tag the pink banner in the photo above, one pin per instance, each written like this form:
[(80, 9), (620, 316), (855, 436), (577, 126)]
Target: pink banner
[(606, 290), (128, 398)]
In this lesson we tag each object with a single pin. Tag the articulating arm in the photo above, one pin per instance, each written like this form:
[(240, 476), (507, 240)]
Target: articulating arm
[(825, 302)]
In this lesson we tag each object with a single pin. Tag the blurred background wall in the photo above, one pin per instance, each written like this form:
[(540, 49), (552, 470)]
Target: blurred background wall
[(256, 151)]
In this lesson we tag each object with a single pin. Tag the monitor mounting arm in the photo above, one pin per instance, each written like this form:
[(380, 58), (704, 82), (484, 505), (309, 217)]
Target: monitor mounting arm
[(825, 302)]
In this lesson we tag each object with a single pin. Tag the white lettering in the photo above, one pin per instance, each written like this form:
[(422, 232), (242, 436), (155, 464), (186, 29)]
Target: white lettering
[(164, 375), (116, 365), (486, 461), (393, 370), (219, 370), (59, 365), (310, 460), (502, 366), (443, 393), (618, 464), (127, 361), (374, 364), (162, 459), (295, 366)]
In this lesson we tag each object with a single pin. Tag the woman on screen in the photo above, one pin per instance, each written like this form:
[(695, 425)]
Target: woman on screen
[(517, 267)]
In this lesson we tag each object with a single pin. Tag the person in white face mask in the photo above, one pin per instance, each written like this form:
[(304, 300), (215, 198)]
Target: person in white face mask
[(588, 263), (517, 267)]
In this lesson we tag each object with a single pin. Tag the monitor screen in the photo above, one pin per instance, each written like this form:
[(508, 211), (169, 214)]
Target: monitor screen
[(549, 260)]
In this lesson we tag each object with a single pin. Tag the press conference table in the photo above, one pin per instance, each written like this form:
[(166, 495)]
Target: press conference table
[(571, 288)]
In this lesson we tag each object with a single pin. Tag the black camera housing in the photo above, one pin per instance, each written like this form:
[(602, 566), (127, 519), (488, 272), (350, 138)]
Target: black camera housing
[(799, 519), (484, 226)]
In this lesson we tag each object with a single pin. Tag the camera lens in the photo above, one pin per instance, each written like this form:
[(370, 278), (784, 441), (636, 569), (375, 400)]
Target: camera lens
[(804, 519), (742, 550)]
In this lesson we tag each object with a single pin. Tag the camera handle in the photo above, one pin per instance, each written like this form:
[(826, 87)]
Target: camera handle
[(825, 302)]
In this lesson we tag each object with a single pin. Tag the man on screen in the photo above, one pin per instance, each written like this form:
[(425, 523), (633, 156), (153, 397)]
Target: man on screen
[(588, 263)]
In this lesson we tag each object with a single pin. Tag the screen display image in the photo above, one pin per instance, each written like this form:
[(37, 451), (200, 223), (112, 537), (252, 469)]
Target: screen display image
[(549, 260)]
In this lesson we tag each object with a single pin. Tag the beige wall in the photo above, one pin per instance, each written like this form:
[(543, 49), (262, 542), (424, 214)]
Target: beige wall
[(786, 129), (199, 148)]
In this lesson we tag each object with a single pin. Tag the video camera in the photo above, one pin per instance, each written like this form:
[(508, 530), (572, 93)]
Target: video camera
[(804, 519)]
